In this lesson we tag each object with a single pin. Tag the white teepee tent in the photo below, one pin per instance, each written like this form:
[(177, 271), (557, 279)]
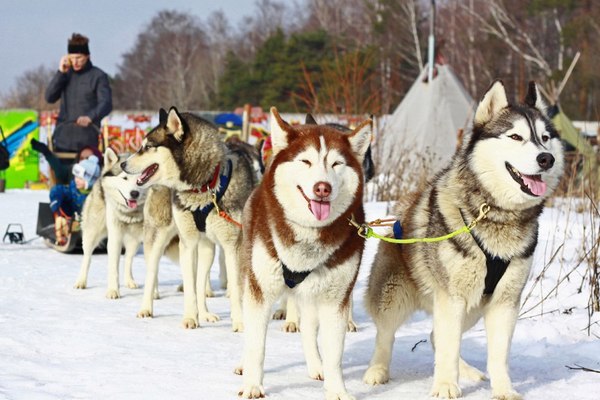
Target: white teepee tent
[(425, 125)]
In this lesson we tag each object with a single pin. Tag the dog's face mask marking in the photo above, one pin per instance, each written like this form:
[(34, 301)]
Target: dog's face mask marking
[(516, 151)]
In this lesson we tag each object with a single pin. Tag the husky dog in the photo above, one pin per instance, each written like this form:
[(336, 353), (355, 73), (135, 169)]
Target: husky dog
[(512, 161), (297, 241), (210, 185), (113, 209)]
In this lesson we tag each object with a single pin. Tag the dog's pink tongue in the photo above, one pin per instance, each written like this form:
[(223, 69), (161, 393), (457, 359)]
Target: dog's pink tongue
[(131, 203), (320, 209), (535, 184)]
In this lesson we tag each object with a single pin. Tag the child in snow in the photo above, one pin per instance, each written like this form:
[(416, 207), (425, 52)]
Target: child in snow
[(66, 201)]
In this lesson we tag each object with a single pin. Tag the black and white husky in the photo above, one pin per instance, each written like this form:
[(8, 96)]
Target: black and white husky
[(512, 161), (185, 154)]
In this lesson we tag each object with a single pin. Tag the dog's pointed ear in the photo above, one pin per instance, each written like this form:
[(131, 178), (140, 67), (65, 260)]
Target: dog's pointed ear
[(493, 101), (360, 138), (310, 120), (174, 124), (162, 117), (280, 132), (534, 98), (110, 158)]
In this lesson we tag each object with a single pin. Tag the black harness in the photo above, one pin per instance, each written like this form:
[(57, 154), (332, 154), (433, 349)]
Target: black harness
[(496, 266), (200, 214), (291, 278)]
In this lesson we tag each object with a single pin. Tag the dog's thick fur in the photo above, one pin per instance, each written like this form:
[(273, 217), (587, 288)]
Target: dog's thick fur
[(113, 209), (448, 278), (297, 219), (183, 153)]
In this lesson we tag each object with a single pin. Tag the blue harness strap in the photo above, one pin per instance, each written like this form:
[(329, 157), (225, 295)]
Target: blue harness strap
[(200, 214)]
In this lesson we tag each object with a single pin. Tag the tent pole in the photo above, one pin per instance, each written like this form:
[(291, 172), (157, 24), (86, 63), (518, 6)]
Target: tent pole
[(431, 49)]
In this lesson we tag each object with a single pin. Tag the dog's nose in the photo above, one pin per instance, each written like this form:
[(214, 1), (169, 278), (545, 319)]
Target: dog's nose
[(322, 189), (124, 165), (134, 194), (545, 160)]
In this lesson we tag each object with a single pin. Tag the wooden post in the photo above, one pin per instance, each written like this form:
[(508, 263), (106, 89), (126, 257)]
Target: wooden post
[(246, 122)]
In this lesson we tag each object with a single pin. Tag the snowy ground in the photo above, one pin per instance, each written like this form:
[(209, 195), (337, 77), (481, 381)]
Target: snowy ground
[(60, 343)]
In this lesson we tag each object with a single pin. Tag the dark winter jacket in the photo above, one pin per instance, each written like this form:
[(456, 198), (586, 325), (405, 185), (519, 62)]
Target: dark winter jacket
[(68, 198), (86, 92)]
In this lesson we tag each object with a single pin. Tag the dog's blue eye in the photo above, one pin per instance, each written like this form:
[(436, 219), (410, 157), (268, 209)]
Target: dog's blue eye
[(306, 162), (516, 137)]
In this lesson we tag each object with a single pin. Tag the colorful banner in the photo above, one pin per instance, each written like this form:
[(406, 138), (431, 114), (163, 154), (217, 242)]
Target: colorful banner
[(19, 127)]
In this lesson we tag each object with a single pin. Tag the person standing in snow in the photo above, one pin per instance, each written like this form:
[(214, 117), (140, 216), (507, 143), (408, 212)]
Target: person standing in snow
[(85, 95)]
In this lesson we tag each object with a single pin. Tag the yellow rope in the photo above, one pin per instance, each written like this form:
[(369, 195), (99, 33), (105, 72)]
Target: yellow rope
[(365, 231)]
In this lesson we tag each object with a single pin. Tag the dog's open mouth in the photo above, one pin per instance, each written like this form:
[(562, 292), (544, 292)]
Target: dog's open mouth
[(147, 174), (319, 208), (131, 203), (531, 184)]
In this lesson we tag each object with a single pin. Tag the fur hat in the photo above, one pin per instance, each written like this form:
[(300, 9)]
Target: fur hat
[(78, 44), (88, 170)]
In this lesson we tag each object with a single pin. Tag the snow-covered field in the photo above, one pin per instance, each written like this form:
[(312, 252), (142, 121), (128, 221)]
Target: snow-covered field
[(57, 342)]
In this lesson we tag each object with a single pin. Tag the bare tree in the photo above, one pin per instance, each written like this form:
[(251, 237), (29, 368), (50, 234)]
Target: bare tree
[(28, 91)]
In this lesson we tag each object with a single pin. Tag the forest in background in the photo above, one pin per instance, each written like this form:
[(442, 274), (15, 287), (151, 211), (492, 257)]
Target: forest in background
[(348, 56)]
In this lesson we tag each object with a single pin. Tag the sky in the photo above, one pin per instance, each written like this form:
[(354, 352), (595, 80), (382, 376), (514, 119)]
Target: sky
[(57, 342), (35, 32)]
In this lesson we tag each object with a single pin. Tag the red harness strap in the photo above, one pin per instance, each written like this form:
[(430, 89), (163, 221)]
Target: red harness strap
[(207, 186)]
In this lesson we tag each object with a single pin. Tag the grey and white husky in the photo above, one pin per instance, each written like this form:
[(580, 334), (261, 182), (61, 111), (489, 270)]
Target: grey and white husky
[(185, 153), (512, 161), (113, 210)]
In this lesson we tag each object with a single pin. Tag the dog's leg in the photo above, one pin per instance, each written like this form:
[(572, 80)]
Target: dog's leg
[(230, 252), (281, 311), (465, 370), (155, 241), (131, 247), (310, 329), (188, 255), (206, 255), (500, 320), (256, 319), (351, 324), (114, 245), (292, 319), (333, 323), (208, 291), (90, 239), (448, 316), (387, 322), (222, 271)]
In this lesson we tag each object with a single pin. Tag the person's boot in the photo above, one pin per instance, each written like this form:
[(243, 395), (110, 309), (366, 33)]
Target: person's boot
[(40, 147)]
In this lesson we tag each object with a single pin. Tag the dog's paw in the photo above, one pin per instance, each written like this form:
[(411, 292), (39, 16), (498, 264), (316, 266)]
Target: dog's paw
[(506, 395), (279, 314), (80, 284), (252, 392), (466, 371), (351, 327), (189, 323), (376, 375), (132, 285), (112, 294), (446, 390), (144, 314), (237, 326), (239, 370), (209, 317), (329, 395), (290, 327)]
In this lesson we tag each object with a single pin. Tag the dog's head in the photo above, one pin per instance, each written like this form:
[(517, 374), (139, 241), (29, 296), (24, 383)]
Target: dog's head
[(120, 186), (316, 169), (514, 149)]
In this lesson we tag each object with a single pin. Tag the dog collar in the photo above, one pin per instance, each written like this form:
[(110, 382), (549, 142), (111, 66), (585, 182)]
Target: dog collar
[(211, 185)]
